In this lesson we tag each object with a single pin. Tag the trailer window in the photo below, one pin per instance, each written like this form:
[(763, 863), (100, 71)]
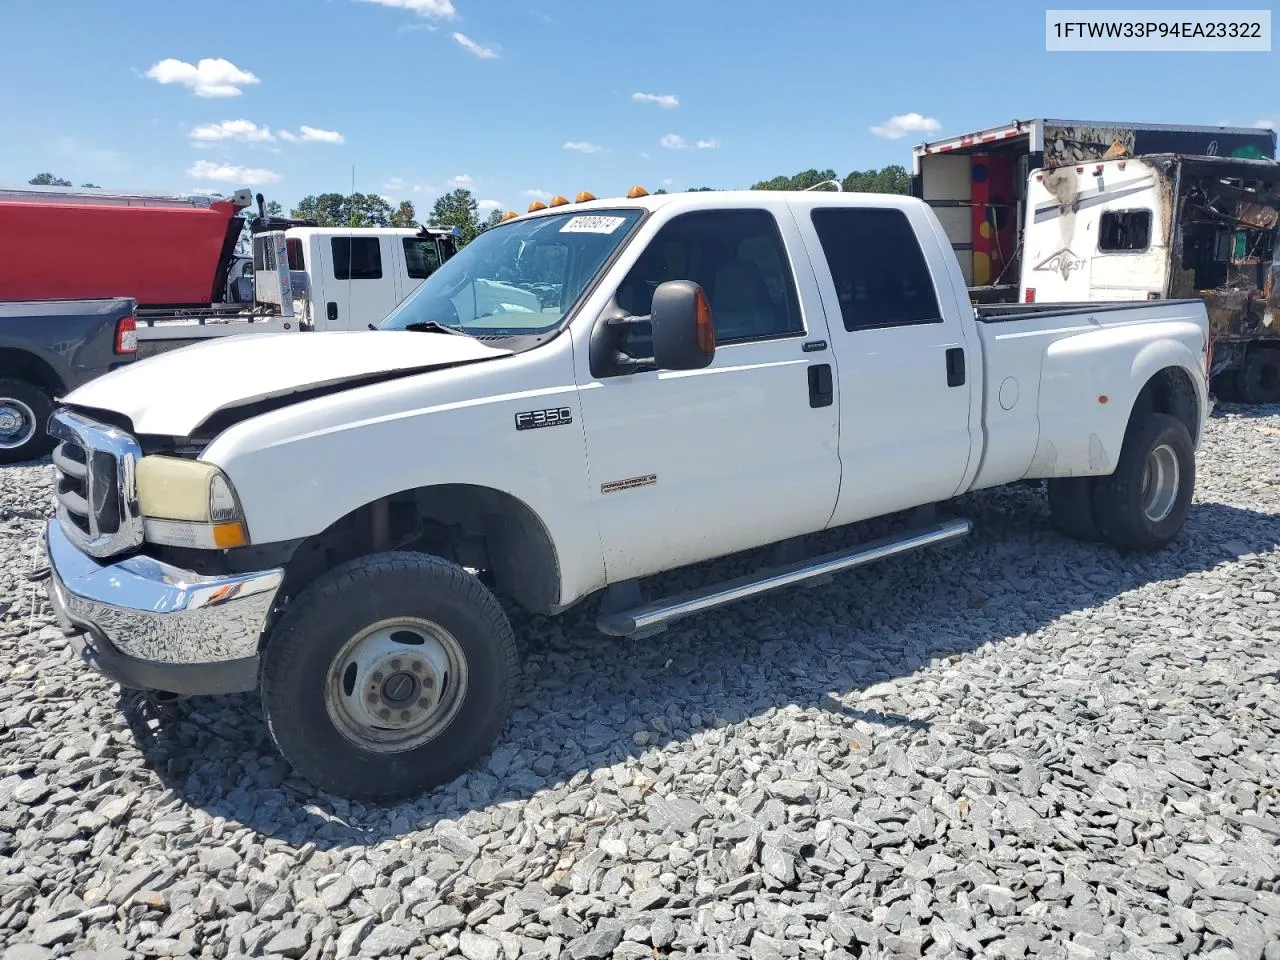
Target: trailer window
[(421, 258), (877, 266), (1124, 230), (356, 258)]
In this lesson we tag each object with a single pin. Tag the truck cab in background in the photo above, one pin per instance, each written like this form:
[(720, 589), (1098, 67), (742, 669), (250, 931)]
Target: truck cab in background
[(345, 278)]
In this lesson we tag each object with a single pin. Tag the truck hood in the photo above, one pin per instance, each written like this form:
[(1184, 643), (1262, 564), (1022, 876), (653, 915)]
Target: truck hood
[(172, 394)]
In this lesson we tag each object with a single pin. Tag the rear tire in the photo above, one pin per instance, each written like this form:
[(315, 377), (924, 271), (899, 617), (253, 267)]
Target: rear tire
[(1226, 386), (388, 676), (1260, 378), (1071, 508), (1144, 503), (24, 416)]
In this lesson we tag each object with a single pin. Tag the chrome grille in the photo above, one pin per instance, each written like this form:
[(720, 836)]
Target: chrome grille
[(95, 493)]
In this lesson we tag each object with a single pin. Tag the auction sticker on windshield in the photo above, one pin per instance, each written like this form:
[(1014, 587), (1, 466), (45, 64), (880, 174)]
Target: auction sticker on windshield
[(593, 224)]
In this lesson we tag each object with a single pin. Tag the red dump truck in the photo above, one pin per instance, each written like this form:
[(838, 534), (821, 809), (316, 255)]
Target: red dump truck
[(167, 252)]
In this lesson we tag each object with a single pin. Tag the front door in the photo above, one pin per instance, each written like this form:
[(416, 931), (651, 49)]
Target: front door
[(688, 465)]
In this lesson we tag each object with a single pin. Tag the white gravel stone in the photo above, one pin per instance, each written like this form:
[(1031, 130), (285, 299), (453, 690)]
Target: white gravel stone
[(1015, 746)]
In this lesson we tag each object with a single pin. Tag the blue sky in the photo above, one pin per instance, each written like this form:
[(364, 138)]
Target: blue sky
[(517, 98)]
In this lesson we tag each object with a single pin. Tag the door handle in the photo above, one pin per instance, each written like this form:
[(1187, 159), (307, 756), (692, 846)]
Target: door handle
[(821, 388), (955, 367), (332, 310)]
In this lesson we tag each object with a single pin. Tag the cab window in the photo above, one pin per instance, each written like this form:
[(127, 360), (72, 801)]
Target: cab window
[(738, 259)]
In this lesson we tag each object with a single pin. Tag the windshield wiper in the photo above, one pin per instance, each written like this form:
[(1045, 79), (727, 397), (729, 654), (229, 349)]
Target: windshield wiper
[(428, 326)]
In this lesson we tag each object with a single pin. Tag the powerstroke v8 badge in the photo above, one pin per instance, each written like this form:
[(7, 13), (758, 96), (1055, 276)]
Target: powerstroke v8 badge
[(554, 417)]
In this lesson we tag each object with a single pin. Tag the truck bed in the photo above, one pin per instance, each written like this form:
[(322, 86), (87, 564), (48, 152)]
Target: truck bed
[(1040, 412)]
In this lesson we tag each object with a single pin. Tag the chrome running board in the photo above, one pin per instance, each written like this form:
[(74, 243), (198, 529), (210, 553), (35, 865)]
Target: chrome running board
[(652, 617)]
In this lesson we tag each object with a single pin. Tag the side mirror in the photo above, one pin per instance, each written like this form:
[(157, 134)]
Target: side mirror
[(684, 335)]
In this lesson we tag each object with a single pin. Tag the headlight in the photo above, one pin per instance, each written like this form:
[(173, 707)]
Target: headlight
[(189, 503)]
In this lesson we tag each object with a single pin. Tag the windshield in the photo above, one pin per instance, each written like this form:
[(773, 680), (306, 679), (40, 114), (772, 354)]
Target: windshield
[(518, 278)]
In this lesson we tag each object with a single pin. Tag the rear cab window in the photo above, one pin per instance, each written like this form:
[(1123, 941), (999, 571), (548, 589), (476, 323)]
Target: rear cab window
[(880, 273)]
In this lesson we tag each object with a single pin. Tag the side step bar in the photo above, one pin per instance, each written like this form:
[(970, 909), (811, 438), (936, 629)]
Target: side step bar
[(653, 617)]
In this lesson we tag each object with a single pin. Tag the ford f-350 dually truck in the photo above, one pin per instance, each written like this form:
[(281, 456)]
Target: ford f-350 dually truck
[(328, 519)]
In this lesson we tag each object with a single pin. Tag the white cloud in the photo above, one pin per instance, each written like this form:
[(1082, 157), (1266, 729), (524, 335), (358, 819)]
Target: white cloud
[(709, 144), (230, 173), (1266, 125), (668, 181), (245, 131), (462, 181), (673, 141), (307, 134), (644, 156), (895, 128), (538, 194), (436, 9), (423, 188), (490, 205), (207, 78), (479, 49), (394, 183), (668, 101), (582, 146)]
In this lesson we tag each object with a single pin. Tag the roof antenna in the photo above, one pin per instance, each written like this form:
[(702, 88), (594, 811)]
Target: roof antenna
[(823, 183)]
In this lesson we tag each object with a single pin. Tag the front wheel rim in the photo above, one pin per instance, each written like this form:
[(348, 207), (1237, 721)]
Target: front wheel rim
[(1161, 480), (396, 685), (17, 423)]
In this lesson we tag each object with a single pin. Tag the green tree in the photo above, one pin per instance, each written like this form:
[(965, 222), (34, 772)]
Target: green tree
[(274, 209), (492, 220), (702, 189), (48, 180), (659, 190), (801, 181), (891, 179), (457, 208), (343, 210), (91, 186), (404, 215)]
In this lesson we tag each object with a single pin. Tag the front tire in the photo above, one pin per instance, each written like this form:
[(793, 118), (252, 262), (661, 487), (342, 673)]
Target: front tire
[(1144, 503), (24, 414), (388, 676)]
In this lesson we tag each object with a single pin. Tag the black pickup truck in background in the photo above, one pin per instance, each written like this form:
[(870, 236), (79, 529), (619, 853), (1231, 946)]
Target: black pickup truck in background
[(47, 349)]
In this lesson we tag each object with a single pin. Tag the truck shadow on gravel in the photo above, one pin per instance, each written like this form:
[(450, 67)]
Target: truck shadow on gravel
[(589, 701)]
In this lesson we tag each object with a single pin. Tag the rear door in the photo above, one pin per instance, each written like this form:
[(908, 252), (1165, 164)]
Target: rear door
[(360, 285), (905, 370)]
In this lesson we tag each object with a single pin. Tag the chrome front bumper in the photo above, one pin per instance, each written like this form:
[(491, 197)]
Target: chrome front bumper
[(150, 625)]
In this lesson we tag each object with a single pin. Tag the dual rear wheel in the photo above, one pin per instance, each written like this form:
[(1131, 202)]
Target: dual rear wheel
[(1143, 504)]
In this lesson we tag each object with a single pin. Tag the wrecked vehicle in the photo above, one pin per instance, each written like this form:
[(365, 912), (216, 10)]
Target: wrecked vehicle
[(329, 520), (1168, 226), (1063, 212)]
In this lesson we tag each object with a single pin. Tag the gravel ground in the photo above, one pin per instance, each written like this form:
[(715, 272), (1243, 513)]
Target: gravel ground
[(1014, 746)]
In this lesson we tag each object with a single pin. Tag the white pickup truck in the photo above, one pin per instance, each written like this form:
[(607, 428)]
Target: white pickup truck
[(327, 519)]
